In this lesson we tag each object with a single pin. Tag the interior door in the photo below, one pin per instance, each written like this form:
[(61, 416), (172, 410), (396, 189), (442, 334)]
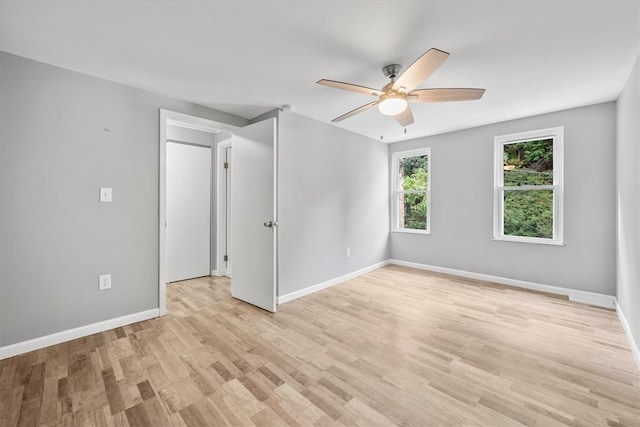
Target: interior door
[(188, 211), (253, 213)]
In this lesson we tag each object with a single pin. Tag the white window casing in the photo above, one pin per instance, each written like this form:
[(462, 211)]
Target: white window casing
[(557, 135)]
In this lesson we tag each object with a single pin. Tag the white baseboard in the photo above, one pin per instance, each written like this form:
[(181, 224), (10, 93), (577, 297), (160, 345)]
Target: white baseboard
[(584, 297), (317, 287), (635, 350), (71, 334), (214, 272)]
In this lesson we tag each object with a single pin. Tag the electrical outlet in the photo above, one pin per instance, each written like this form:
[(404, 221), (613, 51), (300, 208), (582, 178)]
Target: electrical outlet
[(104, 282), (348, 253)]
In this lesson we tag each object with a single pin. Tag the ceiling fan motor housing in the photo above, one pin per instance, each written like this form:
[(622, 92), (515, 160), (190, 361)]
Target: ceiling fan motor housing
[(392, 71)]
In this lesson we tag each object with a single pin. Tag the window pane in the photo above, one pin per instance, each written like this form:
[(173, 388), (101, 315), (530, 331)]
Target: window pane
[(413, 173), (528, 213), (528, 163), (413, 211)]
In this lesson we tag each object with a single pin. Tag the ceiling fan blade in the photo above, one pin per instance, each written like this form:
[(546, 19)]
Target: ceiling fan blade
[(444, 94), (348, 86), (405, 118), (355, 111), (420, 70)]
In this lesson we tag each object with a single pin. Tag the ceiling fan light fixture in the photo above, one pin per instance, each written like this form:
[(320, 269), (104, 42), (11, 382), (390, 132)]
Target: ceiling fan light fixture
[(392, 105)]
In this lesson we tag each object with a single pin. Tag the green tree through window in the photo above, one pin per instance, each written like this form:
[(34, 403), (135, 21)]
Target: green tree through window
[(412, 190), (528, 213), (415, 204), (529, 186)]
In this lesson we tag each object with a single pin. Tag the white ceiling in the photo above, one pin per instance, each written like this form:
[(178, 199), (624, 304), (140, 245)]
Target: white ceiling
[(246, 58)]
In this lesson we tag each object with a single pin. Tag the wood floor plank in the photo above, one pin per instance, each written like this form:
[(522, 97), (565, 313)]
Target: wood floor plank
[(397, 346), (137, 415)]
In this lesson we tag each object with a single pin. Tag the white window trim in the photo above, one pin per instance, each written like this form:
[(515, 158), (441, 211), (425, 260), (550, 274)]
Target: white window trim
[(394, 190), (557, 134)]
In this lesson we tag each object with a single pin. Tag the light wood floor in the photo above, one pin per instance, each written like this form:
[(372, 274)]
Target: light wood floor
[(394, 347)]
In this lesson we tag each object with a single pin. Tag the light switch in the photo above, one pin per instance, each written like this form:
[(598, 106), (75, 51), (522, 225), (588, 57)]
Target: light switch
[(105, 194)]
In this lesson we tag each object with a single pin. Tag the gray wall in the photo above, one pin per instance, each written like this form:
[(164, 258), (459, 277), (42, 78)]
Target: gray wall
[(182, 134), (272, 114), (462, 205), (179, 133), (628, 227), (333, 194), (55, 237)]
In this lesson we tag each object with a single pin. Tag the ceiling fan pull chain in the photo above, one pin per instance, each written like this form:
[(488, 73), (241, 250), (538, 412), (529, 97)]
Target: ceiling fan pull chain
[(381, 128), (405, 119)]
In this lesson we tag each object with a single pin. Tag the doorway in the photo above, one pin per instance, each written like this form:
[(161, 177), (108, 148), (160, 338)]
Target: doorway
[(251, 210), (170, 121)]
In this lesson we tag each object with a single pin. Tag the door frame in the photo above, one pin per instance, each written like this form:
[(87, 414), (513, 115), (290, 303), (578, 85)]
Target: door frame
[(168, 117), (220, 149)]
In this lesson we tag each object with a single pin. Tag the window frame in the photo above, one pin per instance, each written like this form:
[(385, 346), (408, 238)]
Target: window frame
[(396, 191), (557, 135)]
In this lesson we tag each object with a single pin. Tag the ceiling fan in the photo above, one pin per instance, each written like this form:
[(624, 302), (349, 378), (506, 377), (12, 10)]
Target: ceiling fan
[(394, 97)]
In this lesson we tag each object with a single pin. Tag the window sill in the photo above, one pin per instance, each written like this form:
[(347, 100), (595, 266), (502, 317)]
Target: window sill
[(529, 240), (410, 231)]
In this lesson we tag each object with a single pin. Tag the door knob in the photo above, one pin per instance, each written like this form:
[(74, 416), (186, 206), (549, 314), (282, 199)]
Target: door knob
[(271, 224)]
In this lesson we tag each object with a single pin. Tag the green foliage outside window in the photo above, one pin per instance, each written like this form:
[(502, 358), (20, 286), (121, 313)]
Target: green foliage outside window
[(414, 205), (528, 213)]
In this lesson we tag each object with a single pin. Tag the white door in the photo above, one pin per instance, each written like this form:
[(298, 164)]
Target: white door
[(253, 204), (188, 211)]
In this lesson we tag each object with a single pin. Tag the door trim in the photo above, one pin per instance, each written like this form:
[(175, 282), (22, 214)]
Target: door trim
[(186, 120), (276, 169)]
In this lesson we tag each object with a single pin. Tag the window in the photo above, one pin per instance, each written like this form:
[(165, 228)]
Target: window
[(528, 187), (412, 191)]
